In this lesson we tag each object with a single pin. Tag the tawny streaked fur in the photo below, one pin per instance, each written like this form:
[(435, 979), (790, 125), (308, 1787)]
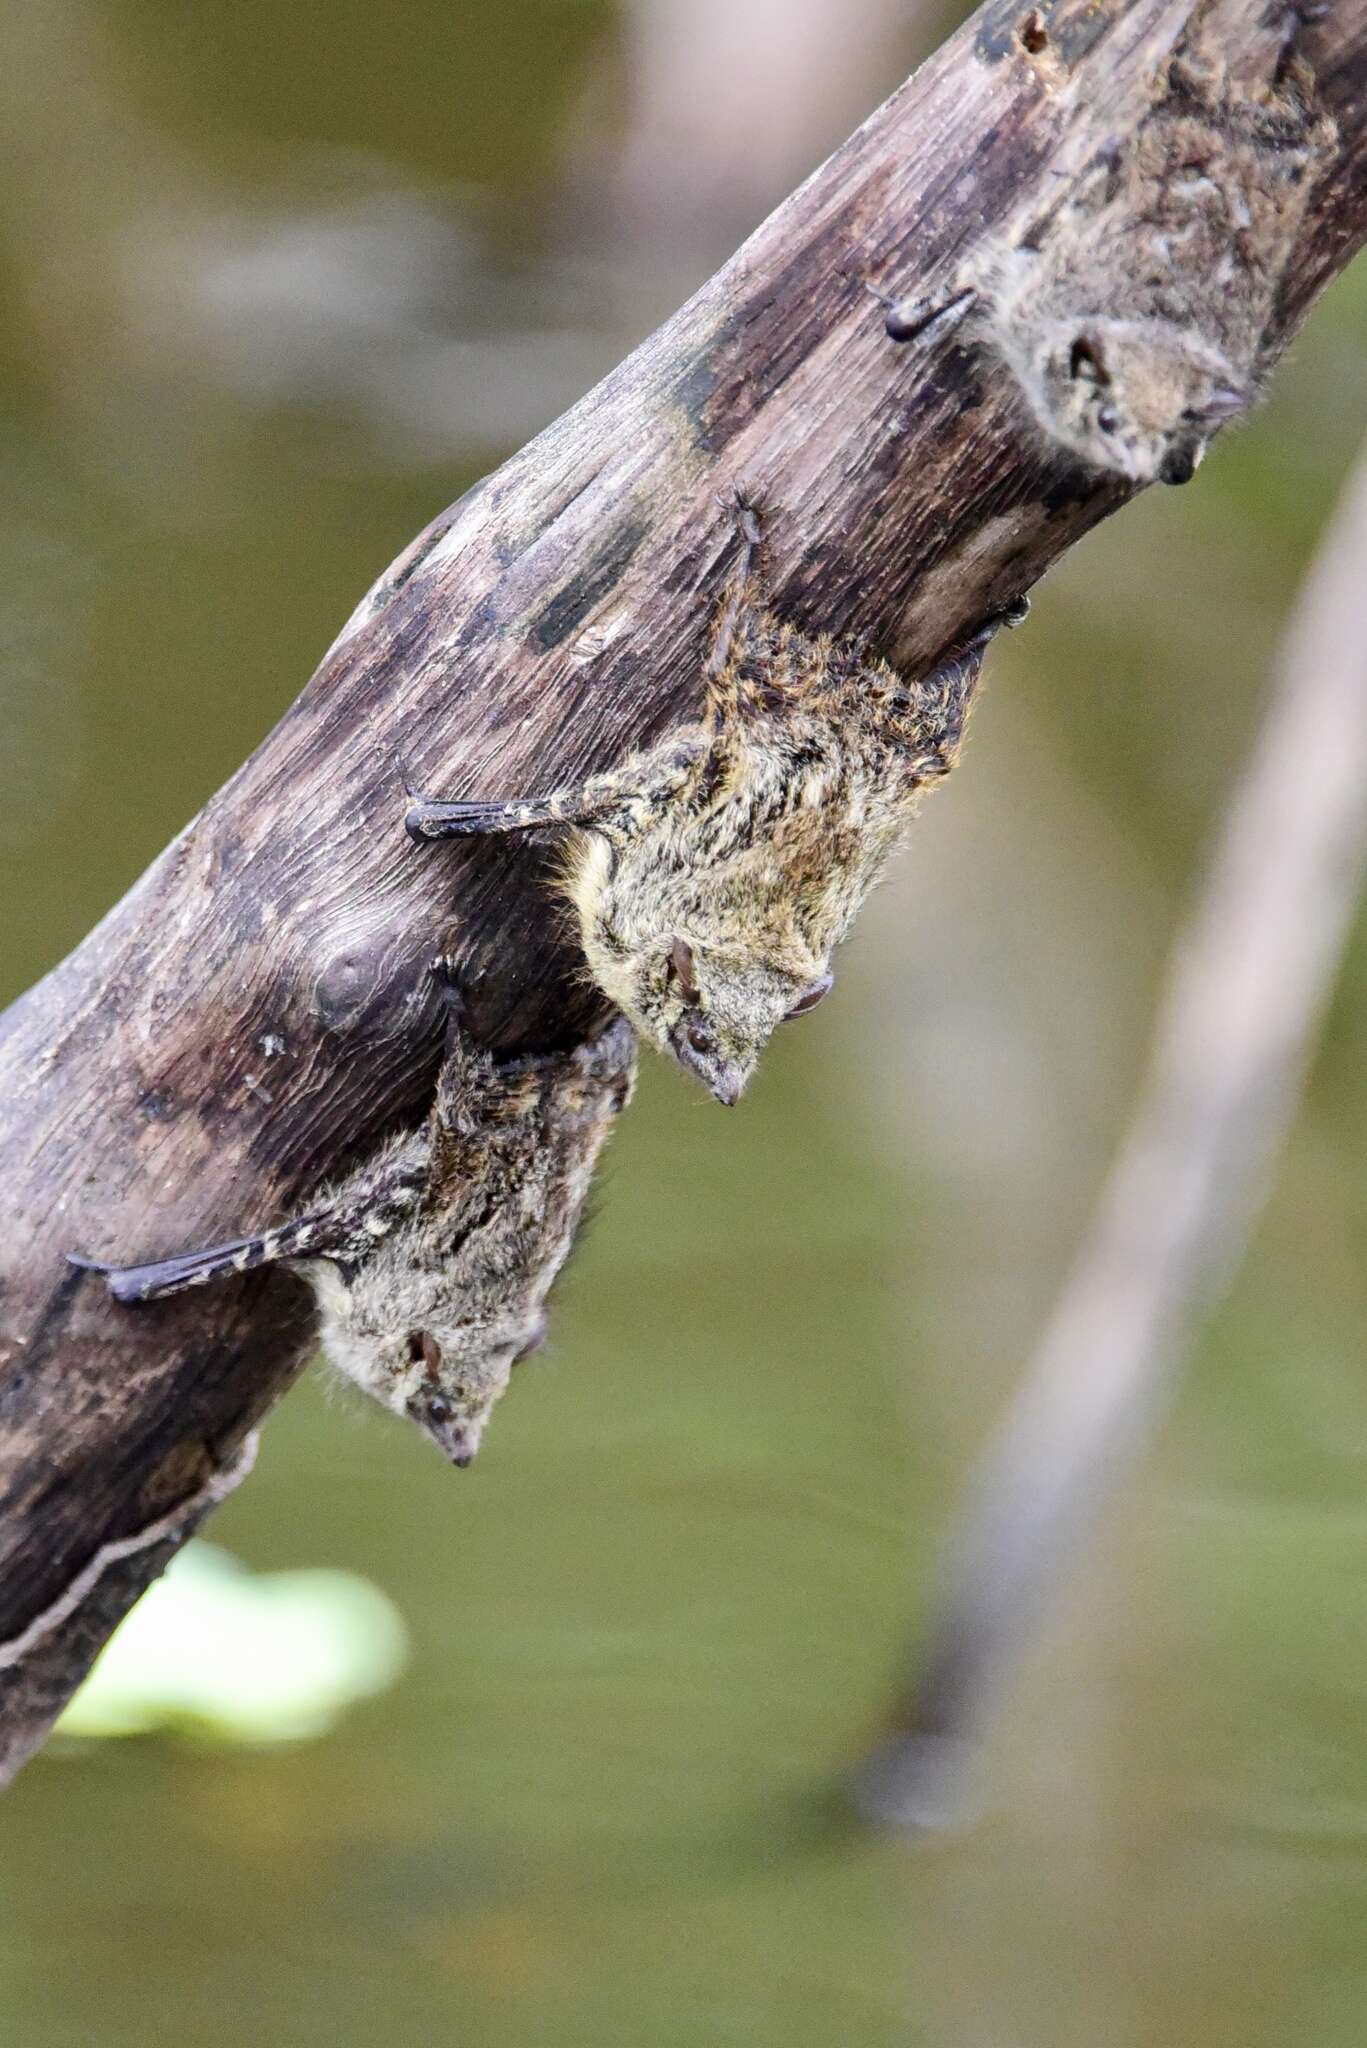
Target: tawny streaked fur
[(1136, 315), (432, 1262), (713, 875)]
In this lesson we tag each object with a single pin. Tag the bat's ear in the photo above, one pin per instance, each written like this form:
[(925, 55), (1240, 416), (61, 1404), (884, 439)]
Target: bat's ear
[(682, 968), (1087, 360), (810, 997), (1225, 401)]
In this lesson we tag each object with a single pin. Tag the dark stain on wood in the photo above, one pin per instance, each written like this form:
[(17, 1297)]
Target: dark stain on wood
[(573, 602)]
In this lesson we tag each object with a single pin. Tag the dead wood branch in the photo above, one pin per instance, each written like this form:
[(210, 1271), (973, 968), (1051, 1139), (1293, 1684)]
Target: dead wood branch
[(1249, 981), (247, 1020)]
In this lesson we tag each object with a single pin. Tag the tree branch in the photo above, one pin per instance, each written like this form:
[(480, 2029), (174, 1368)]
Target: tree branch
[(247, 1020)]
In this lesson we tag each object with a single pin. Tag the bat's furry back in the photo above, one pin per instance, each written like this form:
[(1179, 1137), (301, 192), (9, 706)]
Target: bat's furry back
[(1137, 314), (711, 916), (434, 1315)]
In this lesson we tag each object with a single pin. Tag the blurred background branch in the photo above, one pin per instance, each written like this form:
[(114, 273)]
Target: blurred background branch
[(1250, 979)]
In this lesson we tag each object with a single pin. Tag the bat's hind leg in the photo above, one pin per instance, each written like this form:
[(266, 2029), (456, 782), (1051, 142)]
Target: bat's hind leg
[(744, 580)]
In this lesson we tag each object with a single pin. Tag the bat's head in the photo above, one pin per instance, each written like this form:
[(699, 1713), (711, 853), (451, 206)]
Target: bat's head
[(706, 954), (460, 1380), (403, 1341), (1138, 397), (714, 1011), (431, 1321), (717, 1013)]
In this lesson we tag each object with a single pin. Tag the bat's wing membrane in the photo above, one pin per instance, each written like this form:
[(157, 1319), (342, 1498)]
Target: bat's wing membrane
[(162, 1277), (429, 818)]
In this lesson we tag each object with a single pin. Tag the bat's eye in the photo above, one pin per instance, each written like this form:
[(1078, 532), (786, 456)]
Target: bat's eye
[(810, 997), (1224, 401), (1108, 419), (439, 1412), (702, 1038)]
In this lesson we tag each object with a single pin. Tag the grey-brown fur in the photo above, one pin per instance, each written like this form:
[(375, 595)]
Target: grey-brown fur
[(1137, 314), (432, 1262), (714, 874)]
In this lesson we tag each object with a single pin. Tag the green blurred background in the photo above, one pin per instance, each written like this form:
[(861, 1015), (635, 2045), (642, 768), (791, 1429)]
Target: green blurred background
[(278, 283)]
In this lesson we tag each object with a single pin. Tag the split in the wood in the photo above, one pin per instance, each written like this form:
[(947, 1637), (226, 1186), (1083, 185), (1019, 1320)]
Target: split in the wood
[(431, 1263), (172, 1527), (714, 874)]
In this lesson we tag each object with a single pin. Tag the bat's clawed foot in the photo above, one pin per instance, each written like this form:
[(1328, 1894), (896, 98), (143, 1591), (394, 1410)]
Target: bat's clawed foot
[(966, 654), (442, 970), (912, 319), (418, 819), (428, 817), (744, 515), (127, 1284), (1010, 615), (988, 628)]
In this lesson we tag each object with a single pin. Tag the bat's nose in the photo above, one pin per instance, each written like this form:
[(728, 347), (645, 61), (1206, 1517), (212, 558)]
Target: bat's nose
[(726, 1086)]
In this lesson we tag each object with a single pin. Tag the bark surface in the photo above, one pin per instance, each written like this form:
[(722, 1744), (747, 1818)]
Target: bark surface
[(253, 1017)]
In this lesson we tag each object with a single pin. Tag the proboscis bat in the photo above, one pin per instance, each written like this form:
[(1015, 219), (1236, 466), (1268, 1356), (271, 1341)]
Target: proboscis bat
[(714, 873), (1136, 315), (431, 1263)]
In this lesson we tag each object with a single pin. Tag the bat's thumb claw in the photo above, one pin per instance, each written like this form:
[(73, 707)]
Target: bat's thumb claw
[(442, 969)]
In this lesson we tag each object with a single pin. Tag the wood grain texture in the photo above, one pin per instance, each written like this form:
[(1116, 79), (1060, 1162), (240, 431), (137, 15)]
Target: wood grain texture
[(549, 622)]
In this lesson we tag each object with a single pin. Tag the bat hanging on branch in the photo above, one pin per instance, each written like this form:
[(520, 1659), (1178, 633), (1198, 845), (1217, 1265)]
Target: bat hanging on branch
[(549, 628), (431, 1263), (714, 875)]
